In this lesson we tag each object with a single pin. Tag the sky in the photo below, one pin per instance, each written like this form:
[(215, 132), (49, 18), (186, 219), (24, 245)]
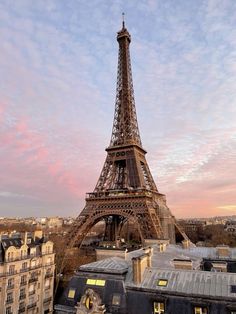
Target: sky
[(58, 64)]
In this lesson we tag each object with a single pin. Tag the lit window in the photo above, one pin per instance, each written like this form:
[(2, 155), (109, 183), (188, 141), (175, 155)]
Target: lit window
[(116, 299), (159, 308), (71, 293), (96, 282), (100, 283), (91, 282), (89, 303), (200, 310), (162, 282)]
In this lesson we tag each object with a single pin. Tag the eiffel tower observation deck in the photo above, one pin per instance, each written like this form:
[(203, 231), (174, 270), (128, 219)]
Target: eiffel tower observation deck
[(125, 191)]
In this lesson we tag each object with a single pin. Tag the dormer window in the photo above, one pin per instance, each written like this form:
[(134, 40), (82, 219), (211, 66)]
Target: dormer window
[(200, 310), (71, 293), (159, 308)]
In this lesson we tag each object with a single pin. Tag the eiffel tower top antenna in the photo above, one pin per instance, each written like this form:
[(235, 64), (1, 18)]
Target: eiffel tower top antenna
[(123, 20)]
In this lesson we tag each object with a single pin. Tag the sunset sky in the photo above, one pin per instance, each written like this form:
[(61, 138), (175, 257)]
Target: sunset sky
[(58, 63)]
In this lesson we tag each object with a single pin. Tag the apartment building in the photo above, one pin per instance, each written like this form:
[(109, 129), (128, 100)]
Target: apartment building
[(165, 279), (27, 266)]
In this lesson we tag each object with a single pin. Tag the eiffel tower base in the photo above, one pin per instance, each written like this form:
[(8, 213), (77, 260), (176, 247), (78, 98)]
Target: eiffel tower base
[(145, 210)]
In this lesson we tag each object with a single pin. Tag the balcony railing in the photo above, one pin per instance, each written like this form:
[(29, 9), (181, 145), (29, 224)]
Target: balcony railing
[(34, 279), (10, 287), (24, 257), (21, 309), (32, 292), (48, 275), (30, 306), (49, 299), (36, 266), (22, 270)]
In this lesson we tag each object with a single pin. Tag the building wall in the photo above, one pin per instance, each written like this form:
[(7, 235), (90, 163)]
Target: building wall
[(26, 279)]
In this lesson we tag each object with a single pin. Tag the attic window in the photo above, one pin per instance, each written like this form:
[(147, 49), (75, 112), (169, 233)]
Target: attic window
[(96, 282), (71, 293), (162, 282), (233, 289), (200, 310), (116, 299)]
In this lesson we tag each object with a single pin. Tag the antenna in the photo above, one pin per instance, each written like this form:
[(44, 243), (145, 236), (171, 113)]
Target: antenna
[(123, 20)]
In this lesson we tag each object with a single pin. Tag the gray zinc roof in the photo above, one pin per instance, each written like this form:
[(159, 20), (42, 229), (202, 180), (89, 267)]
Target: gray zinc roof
[(198, 283), (113, 265)]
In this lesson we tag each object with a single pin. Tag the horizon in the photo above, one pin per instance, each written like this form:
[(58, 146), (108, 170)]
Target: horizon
[(58, 98)]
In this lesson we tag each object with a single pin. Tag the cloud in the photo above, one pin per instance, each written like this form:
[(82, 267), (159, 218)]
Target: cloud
[(58, 92)]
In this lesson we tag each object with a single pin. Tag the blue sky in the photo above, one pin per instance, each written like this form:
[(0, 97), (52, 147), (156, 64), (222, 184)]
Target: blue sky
[(58, 62)]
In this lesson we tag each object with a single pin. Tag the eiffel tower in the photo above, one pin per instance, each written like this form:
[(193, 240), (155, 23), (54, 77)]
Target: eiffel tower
[(125, 190)]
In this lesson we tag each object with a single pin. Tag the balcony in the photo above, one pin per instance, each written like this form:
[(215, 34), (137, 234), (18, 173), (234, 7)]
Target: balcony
[(22, 296), (49, 299), (49, 275), (21, 309), (10, 287), (32, 305), (32, 292), (9, 301), (22, 270), (34, 279), (11, 273), (35, 266)]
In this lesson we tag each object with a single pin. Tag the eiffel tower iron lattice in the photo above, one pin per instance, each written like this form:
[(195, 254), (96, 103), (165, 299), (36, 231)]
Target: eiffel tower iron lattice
[(125, 189)]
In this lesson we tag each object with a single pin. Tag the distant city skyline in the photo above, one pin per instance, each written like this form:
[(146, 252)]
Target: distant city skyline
[(58, 63)]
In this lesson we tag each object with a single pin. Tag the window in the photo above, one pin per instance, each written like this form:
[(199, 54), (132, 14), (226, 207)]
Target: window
[(71, 293), (162, 282), (96, 282), (9, 297), (21, 305), (159, 307), (116, 299), (24, 266), (22, 293), (233, 289), (8, 310), (89, 303), (11, 269), (23, 279), (200, 310), (10, 282)]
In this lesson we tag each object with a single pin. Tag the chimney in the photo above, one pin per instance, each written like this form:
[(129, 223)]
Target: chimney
[(149, 252), (25, 237), (140, 263), (183, 263), (223, 251), (186, 244)]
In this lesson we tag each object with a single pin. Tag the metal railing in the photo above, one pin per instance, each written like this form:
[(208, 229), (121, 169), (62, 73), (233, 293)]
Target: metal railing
[(30, 306), (49, 299), (34, 279)]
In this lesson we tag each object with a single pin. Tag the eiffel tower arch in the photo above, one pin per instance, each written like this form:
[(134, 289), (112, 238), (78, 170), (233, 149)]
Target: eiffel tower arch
[(125, 190)]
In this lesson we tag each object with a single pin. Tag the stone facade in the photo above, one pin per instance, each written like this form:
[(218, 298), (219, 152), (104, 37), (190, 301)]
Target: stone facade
[(27, 269)]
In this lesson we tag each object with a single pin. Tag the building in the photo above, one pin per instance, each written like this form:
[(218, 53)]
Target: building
[(27, 268), (163, 279)]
